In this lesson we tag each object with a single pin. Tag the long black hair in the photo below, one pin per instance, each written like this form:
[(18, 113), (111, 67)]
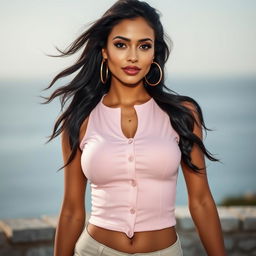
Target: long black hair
[(86, 89)]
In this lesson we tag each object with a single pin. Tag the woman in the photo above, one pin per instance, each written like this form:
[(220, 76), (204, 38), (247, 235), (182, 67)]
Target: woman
[(125, 134)]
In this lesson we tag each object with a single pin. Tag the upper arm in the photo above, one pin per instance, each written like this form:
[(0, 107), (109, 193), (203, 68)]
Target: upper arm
[(197, 183), (74, 179)]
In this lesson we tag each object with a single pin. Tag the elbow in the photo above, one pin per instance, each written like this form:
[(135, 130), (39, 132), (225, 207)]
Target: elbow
[(73, 213), (201, 203), (74, 216)]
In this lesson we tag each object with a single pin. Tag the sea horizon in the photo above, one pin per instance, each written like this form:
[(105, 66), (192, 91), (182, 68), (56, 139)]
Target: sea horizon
[(31, 186)]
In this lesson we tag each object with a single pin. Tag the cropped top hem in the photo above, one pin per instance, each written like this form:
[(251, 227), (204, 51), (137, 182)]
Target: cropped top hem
[(153, 227)]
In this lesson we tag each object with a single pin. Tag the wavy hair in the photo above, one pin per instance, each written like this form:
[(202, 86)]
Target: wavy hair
[(86, 89)]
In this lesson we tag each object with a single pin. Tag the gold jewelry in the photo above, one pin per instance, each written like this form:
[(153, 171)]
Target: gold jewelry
[(101, 71), (161, 75)]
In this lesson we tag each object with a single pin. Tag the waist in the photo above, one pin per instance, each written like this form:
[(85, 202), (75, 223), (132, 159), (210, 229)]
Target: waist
[(141, 242)]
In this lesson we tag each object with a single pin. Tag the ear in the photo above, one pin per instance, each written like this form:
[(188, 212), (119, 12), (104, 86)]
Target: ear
[(104, 53)]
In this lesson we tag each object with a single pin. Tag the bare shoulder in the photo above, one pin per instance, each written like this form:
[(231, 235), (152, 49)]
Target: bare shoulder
[(190, 106), (193, 109)]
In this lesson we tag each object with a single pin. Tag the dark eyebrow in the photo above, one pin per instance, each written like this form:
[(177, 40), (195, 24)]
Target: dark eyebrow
[(128, 40)]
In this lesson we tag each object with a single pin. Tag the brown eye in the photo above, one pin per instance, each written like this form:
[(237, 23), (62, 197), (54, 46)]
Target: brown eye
[(119, 45), (146, 46)]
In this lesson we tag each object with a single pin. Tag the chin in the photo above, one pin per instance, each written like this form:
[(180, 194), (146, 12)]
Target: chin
[(131, 81), (128, 80)]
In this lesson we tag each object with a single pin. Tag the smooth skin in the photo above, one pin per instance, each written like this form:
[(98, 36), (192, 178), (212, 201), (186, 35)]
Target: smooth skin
[(131, 42)]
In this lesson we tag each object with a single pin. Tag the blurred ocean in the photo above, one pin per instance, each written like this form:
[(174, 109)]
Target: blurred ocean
[(30, 185)]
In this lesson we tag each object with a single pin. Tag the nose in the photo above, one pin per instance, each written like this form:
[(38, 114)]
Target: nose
[(132, 56)]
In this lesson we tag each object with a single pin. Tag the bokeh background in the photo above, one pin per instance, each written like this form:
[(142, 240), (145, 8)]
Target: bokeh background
[(213, 60)]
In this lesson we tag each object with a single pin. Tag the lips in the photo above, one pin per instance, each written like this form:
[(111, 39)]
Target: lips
[(131, 70)]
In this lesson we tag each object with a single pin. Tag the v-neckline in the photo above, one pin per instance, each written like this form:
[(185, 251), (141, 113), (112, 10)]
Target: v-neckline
[(137, 107)]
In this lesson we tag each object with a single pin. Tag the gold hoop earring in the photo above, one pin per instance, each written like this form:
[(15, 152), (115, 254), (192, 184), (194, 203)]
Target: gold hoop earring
[(161, 75), (101, 71)]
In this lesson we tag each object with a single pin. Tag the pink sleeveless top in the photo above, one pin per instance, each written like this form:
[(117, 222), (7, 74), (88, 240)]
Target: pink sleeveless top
[(133, 180)]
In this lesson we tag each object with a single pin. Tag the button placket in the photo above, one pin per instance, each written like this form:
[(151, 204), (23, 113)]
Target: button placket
[(131, 155), (132, 210), (130, 140), (134, 190), (130, 158), (130, 233)]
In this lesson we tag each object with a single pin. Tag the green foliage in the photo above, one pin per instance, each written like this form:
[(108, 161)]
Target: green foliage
[(245, 200)]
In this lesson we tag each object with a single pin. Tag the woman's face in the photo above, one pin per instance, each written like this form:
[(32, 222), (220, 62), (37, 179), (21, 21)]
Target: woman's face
[(130, 50)]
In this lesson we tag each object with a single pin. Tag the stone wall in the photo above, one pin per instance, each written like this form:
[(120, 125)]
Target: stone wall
[(35, 236)]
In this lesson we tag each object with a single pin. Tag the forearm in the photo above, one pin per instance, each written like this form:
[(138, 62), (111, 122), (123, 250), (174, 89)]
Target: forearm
[(207, 222), (67, 233)]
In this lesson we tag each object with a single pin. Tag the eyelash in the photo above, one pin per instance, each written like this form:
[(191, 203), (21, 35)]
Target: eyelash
[(147, 45)]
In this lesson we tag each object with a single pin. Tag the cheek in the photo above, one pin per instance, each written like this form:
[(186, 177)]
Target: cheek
[(115, 59), (113, 64), (114, 54), (147, 57), (147, 63)]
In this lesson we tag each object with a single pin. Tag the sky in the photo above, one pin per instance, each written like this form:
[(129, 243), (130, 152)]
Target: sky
[(210, 38)]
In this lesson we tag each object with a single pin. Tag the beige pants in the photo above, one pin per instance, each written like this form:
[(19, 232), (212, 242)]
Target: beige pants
[(88, 246)]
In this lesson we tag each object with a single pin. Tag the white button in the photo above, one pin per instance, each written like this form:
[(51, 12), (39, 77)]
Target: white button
[(133, 183), (130, 140), (130, 158), (132, 211)]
